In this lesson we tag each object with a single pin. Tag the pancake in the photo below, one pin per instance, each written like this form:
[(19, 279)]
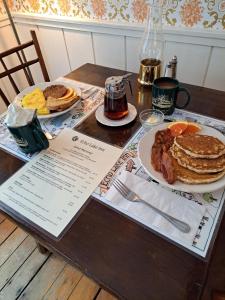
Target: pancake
[(191, 177), (200, 146), (198, 165)]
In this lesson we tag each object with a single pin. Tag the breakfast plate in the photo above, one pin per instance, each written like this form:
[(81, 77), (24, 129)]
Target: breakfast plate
[(144, 155), (44, 85)]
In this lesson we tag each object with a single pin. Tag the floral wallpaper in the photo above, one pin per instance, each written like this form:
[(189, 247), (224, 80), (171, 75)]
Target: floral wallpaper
[(177, 13)]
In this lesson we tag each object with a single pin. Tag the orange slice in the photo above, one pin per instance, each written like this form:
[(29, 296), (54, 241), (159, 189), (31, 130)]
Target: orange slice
[(177, 128), (192, 128), (68, 94)]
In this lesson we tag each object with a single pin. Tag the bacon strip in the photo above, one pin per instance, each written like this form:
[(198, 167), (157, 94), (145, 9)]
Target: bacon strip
[(167, 168), (160, 159)]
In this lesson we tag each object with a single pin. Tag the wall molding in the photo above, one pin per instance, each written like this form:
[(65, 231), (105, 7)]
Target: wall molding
[(180, 35), (4, 21)]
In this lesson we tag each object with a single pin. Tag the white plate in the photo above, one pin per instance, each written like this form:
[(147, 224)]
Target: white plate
[(99, 114), (42, 86), (144, 154)]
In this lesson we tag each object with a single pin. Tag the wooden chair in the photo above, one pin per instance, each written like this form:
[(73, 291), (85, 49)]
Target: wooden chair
[(24, 65)]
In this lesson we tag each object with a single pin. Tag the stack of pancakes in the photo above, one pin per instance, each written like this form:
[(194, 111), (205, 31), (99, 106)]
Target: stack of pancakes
[(198, 158), (59, 97)]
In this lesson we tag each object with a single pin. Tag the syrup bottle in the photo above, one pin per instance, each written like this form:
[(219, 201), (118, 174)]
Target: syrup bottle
[(115, 101)]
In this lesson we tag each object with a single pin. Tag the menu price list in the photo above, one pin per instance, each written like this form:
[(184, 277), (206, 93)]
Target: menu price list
[(54, 185)]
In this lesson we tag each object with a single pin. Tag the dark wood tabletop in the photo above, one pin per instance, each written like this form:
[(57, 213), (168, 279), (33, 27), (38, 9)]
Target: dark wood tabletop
[(121, 255)]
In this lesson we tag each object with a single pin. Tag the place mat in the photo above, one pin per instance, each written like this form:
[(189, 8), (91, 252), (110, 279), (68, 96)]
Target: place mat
[(212, 201), (55, 125), (174, 205)]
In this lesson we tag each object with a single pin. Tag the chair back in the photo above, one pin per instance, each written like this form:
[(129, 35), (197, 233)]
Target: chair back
[(24, 64)]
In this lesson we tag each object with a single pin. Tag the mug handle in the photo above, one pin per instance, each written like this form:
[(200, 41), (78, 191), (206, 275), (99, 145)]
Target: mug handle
[(187, 99), (41, 138)]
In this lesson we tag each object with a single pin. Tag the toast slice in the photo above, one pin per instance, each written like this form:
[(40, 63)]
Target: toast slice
[(54, 104)]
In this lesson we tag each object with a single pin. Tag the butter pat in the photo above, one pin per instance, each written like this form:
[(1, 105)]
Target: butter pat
[(152, 119)]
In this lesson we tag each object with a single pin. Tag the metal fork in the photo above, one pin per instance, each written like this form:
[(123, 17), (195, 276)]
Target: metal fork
[(133, 197)]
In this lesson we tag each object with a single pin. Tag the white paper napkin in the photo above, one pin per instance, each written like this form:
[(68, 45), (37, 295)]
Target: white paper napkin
[(174, 205), (18, 116)]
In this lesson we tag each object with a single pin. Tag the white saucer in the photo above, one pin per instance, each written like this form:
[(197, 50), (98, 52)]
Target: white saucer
[(99, 114)]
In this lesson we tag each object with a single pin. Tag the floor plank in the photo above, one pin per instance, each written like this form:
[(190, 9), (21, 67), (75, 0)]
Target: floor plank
[(16, 260), (2, 218), (6, 228), (103, 295), (26, 274), (43, 279), (10, 245), (64, 284), (22, 278), (86, 289)]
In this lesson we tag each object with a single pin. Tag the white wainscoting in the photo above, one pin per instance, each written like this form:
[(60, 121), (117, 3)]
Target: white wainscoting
[(80, 47), (67, 43)]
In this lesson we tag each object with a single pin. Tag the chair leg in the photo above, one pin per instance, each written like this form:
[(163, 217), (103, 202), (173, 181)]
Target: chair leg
[(42, 249)]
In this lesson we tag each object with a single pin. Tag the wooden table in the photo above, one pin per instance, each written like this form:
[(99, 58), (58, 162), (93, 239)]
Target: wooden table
[(119, 254)]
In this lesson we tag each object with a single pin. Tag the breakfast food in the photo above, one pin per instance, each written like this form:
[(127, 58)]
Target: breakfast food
[(160, 160), (60, 104), (54, 98), (35, 100), (200, 146), (198, 165), (192, 128), (183, 127), (177, 128), (55, 91), (190, 158), (191, 177)]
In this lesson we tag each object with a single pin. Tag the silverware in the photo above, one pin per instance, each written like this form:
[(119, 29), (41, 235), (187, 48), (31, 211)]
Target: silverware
[(50, 136), (133, 197)]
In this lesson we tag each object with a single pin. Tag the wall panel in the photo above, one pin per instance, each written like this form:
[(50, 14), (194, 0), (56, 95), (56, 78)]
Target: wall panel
[(79, 47), (109, 50), (54, 51), (192, 61), (215, 77), (132, 54)]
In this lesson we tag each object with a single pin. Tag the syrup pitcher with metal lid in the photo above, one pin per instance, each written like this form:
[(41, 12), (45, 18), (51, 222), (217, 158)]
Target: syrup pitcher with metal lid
[(115, 102)]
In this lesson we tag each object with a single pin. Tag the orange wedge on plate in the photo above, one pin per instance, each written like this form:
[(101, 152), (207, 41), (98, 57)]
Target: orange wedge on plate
[(177, 128), (68, 94), (192, 128)]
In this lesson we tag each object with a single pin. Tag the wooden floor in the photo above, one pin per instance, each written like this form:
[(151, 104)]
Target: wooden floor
[(25, 273)]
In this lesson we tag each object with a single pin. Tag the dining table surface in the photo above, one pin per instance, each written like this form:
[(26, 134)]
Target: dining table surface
[(121, 255)]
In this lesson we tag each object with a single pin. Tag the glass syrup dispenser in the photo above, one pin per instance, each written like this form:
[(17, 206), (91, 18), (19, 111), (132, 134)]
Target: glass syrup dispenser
[(151, 50), (115, 101)]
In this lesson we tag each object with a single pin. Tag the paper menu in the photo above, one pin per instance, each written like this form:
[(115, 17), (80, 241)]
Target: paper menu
[(54, 185)]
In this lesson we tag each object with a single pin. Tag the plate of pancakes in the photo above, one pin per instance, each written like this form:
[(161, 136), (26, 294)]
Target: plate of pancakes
[(50, 99), (198, 160)]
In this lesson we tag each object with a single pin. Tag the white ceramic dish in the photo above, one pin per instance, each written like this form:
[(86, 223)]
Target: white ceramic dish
[(99, 114), (144, 154), (42, 86)]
